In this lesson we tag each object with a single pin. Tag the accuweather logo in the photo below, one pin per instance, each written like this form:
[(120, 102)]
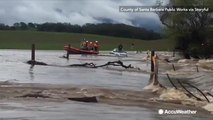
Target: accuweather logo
[(173, 112), (160, 111)]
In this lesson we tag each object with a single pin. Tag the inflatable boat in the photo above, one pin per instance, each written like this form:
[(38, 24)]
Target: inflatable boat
[(72, 50)]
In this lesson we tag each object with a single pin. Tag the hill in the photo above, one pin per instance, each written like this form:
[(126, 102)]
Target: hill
[(108, 29), (56, 41)]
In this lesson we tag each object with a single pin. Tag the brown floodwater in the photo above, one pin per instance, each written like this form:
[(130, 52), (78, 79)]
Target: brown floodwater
[(14, 69)]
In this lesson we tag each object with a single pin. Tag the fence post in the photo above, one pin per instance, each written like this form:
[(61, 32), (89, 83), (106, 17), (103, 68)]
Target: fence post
[(173, 53), (68, 51), (197, 68), (152, 62), (33, 54), (173, 66)]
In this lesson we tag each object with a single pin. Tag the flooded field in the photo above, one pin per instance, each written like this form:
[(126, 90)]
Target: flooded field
[(120, 91), (16, 69)]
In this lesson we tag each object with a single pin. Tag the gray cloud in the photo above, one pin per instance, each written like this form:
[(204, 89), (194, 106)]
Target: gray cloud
[(74, 11)]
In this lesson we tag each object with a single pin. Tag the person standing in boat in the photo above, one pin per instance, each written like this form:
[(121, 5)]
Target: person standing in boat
[(84, 45), (90, 46), (96, 46)]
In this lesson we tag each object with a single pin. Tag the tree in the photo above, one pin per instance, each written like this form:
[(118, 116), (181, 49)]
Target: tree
[(188, 28), (109, 29), (4, 27), (23, 26), (20, 26), (16, 25), (31, 26)]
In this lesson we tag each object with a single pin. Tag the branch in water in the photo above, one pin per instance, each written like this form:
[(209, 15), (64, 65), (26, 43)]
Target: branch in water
[(92, 65)]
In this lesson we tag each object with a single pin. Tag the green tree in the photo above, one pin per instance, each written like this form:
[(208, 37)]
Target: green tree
[(31, 26), (4, 27), (189, 28), (23, 26), (16, 26)]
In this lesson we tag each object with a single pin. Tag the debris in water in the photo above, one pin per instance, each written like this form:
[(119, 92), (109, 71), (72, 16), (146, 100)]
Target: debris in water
[(85, 99), (34, 95), (36, 63)]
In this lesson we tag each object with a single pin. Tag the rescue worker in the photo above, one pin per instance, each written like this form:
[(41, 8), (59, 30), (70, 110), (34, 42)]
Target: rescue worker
[(86, 45), (83, 45), (96, 46), (90, 46)]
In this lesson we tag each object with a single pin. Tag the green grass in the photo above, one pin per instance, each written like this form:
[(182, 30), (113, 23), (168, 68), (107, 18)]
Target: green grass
[(56, 41)]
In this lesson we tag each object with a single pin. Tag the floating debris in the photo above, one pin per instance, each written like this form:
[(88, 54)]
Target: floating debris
[(85, 99)]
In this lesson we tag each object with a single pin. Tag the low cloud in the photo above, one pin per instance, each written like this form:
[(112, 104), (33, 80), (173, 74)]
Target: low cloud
[(75, 11)]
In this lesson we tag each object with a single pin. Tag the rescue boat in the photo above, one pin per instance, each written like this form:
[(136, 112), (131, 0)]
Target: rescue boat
[(72, 50)]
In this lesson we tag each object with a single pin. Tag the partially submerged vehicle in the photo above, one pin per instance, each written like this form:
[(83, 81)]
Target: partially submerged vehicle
[(119, 53)]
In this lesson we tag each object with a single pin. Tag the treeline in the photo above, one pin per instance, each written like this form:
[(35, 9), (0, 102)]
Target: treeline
[(108, 29)]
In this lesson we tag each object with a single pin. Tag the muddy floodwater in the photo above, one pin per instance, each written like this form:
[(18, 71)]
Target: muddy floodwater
[(15, 69), (120, 91), (71, 111)]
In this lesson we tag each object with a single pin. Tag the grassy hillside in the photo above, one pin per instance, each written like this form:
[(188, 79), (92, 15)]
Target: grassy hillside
[(56, 41)]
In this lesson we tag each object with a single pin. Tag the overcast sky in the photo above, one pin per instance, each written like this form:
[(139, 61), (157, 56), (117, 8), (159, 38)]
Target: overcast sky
[(76, 12)]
